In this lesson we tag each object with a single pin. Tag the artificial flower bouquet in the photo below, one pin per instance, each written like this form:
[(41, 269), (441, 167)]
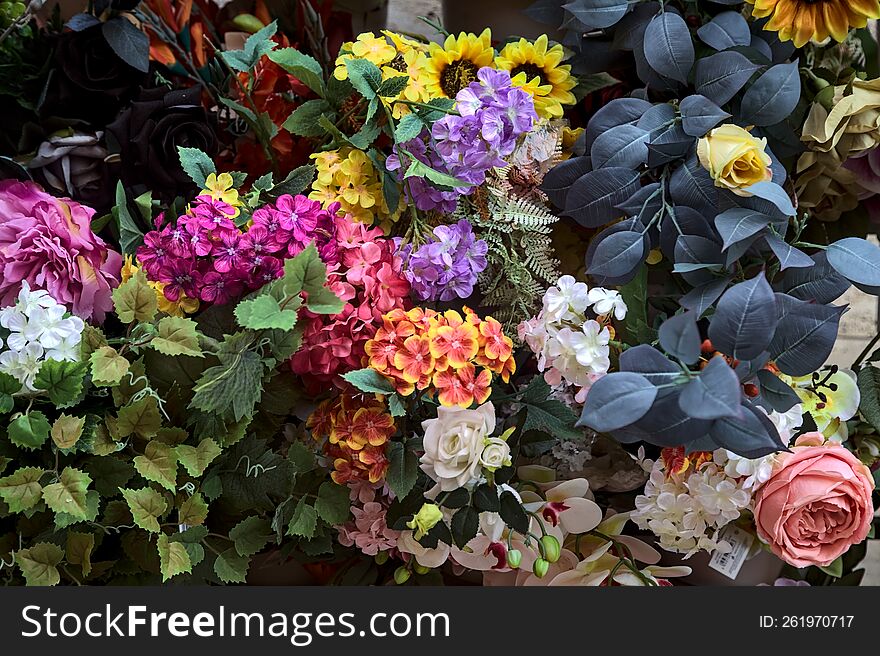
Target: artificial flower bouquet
[(331, 316)]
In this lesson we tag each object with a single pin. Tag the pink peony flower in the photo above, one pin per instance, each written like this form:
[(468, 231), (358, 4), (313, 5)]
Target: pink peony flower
[(49, 242), (817, 503)]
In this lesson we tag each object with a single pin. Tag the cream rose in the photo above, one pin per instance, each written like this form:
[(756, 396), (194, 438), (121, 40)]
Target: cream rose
[(734, 158), (454, 442), (495, 454)]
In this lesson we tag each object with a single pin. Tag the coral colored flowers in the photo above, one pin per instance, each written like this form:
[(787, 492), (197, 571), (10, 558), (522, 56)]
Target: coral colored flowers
[(446, 353)]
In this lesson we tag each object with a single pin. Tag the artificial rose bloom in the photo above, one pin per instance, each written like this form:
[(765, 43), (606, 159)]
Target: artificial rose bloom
[(817, 503), (734, 158), (49, 243), (825, 188), (426, 519), (496, 454), (72, 163), (848, 125), (453, 444)]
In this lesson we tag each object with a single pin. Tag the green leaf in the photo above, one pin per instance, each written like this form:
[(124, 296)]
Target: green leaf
[(512, 513), (173, 558), (193, 511), (464, 525), (869, 387), (486, 498), (835, 569), (109, 474), (393, 86), (258, 44), (68, 495), (409, 127), (177, 336), (333, 504), (301, 458), (303, 67), (67, 430), (158, 464), (546, 414), (135, 300), (29, 431), (231, 389), (455, 499), (296, 181), (421, 170), (443, 105), (230, 567), (403, 469), (8, 386), (360, 140), (108, 367), (264, 313), (364, 76), (21, 489), (307, 273), (130, 43), (93, 500), (637, 330), (79, 550), (251, 535), (130, 235), (62, 381), (370, 381), (304, 521), (196, 164), (396, 406), (196, 459), (146, 506), (39, 563), (303, 121), (140, 418)]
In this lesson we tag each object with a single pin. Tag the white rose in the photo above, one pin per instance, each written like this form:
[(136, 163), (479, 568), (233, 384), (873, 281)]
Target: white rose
[(453, 444), (495, 454)]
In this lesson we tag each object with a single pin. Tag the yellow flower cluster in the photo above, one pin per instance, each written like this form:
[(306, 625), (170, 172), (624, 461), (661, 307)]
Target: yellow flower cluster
[(222, 188), (347, 176), (183, 306)]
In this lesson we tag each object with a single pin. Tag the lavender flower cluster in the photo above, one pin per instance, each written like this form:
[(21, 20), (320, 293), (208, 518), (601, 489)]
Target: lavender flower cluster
[(447, 266)]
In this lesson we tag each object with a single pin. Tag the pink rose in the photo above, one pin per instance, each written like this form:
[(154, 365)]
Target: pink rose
[(816, 504), (49, 242)]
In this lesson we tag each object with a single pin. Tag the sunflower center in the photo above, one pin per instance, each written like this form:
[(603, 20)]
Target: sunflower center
[(531, 71), (456, 76)]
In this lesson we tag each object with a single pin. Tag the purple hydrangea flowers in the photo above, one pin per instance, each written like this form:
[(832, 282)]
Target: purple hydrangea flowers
[(447, 266)]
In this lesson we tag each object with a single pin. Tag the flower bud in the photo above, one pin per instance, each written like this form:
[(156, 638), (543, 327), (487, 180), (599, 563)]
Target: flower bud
[(401, 575), (514, 558), (248, 23), (420, 569), (540, 568), (426, 519), (381, 558), (551, 548)]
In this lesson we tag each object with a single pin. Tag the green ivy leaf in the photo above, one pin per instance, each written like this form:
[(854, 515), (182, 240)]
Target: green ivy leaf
[(370, 381), (21, 489), (67, 430), (301, 458), (333, 504), (62, 380), (193, 511), (303, 67), (403, 469), (39, 563), (196, 459), (8, 387), (135, 300), (29, 431), (93, 500), (264, 312), (230, 567), (251, 535), (304, 521), (68, 495), (177, 336), (158, 464), (108, 367), (140, 418), (79, 550), (196, 164), (146, 506), (231, 389), (173, 558)]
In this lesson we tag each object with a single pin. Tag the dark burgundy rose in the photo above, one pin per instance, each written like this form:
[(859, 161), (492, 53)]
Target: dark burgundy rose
[(149, 132), (90, 81)]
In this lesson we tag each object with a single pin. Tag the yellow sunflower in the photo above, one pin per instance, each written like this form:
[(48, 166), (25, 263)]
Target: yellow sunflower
[(454, 65), (539, 70), (804, 20)]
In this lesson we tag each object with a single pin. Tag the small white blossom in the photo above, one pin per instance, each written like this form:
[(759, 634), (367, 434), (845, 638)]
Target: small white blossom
[(606, 301)]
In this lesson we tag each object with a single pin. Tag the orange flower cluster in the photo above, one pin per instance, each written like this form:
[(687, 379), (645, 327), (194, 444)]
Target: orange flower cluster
[(677, 461), (357, 429), (425, 350)]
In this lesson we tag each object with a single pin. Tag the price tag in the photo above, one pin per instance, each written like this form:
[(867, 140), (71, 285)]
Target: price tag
[(731, 562)]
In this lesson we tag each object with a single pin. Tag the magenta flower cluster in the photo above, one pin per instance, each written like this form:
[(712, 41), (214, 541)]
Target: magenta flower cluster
[(447, 266), (205, 255)]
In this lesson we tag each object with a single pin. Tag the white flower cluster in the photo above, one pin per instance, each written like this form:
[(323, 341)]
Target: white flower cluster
[(572, 348), (38, 331), (685, 512)]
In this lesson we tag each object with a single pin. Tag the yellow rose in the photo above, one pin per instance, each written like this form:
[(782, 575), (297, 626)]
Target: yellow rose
[(734, 158), (425, 519)]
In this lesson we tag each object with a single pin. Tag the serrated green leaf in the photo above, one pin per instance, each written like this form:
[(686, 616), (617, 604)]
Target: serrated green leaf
[(420, 170), (108, 367), (300, 457), (158, 464), (191, 535), (140, 418), (393, 86), (67, 430), (403, 469), (869, 389), (173, 558), (146, 506), (8, 387), (232, 389), (177, 336), (109, 474), (303, 121), (196, 164), (230, 567), (304, 521), (68, 495), (364, 76), (193, 511), (370, 381), (29, 431), (135, 300), (546, 414), (307, 273), (396, 406), (196, 459), (61, 380), (296, 181), (333, 504), (39, 563), (251, 535), (265, 313), (303, 67), (409, 127), (93, 500), (21, 489), (79, 550)]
